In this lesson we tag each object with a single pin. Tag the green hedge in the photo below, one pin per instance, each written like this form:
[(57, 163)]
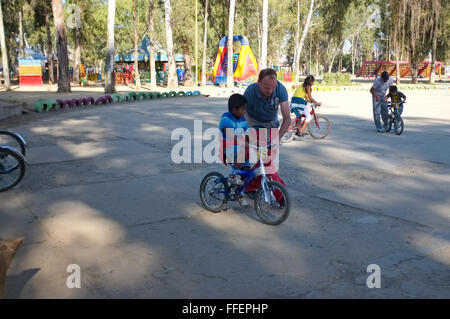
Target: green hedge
[(337, 78)]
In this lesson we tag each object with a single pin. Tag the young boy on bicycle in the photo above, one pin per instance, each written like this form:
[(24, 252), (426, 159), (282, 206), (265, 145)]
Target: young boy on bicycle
[(233, 127), (396, 97), (300, 99)]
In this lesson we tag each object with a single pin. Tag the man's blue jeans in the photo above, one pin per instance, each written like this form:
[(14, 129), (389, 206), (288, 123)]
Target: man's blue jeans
[(380, 110)]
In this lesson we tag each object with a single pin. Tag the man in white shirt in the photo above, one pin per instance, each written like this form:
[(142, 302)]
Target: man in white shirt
[(378, 90)]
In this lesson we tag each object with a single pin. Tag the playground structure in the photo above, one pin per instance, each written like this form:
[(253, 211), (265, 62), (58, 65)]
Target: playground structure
[(244, 62), (371, 68)]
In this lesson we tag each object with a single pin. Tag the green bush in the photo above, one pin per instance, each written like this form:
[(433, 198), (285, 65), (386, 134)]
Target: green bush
[(337, 78)]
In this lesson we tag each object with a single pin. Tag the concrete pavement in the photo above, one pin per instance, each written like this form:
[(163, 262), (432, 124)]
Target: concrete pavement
[(102, 192)]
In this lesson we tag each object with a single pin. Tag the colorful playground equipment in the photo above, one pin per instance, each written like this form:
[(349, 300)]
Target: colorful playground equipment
[(371, 68), (244, 63)]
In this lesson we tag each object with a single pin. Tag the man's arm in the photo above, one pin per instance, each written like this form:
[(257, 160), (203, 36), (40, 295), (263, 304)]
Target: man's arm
[(286, 113), (374, 94)]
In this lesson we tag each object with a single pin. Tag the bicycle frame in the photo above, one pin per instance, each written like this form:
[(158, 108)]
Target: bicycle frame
[(257, 170), (299, 119)]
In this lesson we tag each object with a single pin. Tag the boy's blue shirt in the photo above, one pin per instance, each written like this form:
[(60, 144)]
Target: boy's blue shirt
[(228, 120)]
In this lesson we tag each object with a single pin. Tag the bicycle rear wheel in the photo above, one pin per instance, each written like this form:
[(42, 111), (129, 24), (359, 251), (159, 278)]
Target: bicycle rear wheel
[(277, 207), (319, 129), (14, 140), (12, 168), (213, 192)]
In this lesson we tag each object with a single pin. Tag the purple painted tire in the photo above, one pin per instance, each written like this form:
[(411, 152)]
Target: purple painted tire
[(61, 103), (109, 98), (90, 100), (76, 102), (69, 103)]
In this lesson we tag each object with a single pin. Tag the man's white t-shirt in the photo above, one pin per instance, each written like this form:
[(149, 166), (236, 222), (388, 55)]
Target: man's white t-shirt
[(381, 87)]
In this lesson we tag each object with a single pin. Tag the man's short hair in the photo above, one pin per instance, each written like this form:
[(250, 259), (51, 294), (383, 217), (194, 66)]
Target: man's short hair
[(236, 101), (266, 72), (385, 75)]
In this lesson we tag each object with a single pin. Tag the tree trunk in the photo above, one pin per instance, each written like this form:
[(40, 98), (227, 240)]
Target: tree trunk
[(4, 52), (61, 44), (264, 34), (137, 79), (317, 55), (172, 81), (77, 57), (21, 42), (297, 33), (203, 83), (230, 71), (397, 53), (110, 86), (436, 7), (302, 40), (151, 7), (187, 65), (50, 58)]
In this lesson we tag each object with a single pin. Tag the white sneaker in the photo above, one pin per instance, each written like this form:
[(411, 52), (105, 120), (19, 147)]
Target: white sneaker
[(242, 202), (236, 180)]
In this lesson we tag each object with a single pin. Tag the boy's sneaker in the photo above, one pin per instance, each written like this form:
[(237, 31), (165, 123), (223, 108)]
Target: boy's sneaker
[(242, 202), (380, 130), (235, 180)]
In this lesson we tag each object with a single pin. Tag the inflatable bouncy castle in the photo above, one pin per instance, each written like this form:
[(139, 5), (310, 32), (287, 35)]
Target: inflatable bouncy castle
[(244, 63)]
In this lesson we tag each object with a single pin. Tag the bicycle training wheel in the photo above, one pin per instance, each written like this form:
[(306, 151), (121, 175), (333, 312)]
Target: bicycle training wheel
[(11, 139), (276, 208), (213, 192), (319, 129), (12, 168)]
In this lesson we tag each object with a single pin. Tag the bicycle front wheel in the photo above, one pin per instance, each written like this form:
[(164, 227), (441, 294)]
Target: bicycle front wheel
[(12, 139), (12, 168), (213, 192), (274, 209), (319, 129), (399, 126)]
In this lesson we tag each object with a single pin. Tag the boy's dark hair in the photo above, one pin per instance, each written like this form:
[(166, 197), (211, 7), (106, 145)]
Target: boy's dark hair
[(393, 89), (236, 101), (385, 75)]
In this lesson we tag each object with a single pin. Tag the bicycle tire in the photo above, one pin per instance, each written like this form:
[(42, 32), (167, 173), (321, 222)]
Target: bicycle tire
[(7, 151), (219, 207), (313, 122), (15, 136), (287, 207), (288, 136), (401, 127)]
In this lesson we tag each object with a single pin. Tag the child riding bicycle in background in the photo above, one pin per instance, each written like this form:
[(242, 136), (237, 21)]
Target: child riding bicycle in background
[(396, 97), (233, 147), (300, 99)]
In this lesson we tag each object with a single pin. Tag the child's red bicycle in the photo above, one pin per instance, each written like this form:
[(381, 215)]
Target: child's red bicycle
[(318, 128)]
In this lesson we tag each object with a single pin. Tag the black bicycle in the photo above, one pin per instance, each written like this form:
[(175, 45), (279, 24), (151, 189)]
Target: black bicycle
[(12, 159), (394, 118)]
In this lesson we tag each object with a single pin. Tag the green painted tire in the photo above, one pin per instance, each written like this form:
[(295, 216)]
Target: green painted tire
[(172, 94)]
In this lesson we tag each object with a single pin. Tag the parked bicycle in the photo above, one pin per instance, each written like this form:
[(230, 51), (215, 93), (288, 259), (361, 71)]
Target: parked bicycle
[(318, 128), (394, 118), (12, 159), (272, 201)]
